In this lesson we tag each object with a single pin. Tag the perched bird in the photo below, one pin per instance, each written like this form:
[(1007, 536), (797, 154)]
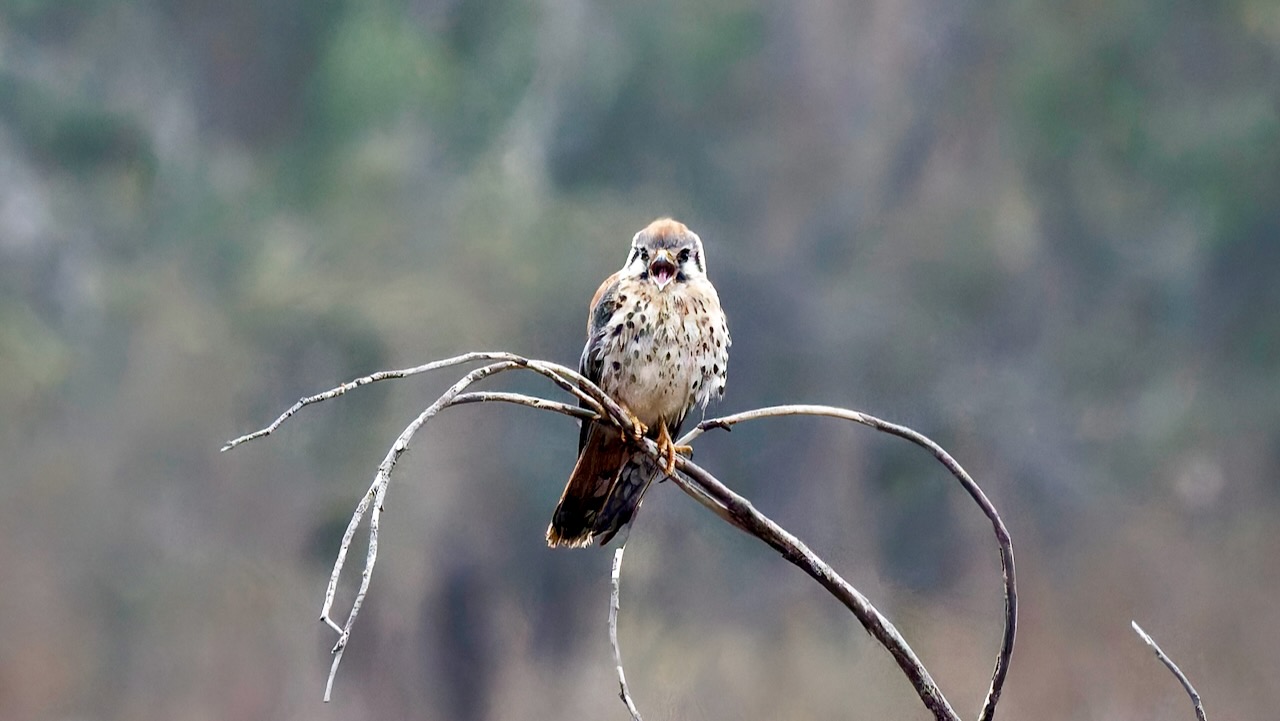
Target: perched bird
[(657, 343)]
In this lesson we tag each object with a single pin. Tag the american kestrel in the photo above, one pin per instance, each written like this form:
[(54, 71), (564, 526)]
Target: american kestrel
[(657, 343)]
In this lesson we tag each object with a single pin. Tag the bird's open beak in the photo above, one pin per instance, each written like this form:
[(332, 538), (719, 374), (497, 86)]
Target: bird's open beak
[(663, 268)]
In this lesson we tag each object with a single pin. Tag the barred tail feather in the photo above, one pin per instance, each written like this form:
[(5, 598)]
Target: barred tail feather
[(623, 502), (575, 518)]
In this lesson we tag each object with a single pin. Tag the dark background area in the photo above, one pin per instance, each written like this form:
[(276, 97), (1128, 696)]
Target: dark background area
[(1044, 233)]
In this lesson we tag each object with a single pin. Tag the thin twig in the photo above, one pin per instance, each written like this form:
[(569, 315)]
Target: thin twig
[(1177, 672), (624, 693), (362, 381), (375, 497), (521, 399), (1004, 656), (567, 379)]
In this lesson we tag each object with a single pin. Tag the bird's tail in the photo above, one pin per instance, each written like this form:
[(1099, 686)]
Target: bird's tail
[(628, 492), (602, 457)]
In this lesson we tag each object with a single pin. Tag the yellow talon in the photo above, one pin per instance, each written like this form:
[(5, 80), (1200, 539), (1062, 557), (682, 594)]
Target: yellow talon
[(639, 428), (669, 449)]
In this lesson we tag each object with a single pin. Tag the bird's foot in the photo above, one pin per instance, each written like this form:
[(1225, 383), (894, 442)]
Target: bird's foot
[(669, 449), (638, 429)]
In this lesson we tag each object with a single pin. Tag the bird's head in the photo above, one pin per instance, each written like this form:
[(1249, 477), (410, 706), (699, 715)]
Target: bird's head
[(666, 252)]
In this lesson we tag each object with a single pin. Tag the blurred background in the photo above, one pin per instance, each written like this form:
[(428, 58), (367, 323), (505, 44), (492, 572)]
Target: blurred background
[(1047, 234)]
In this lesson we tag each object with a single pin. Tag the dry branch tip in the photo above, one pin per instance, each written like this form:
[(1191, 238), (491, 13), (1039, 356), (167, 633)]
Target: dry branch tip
[(1173, 668)]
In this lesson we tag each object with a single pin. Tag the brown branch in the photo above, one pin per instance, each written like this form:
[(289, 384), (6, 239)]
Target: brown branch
[(1173, 667), (1005, 654), (743, 515), (694, 480)]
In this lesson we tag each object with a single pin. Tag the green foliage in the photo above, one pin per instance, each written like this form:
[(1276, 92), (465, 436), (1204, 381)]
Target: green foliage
[(376, 68), (70, 136)]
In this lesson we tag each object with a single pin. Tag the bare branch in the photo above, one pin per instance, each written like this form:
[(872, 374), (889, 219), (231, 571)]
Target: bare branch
[(1173, 667), (1003, 657), (374, 497), (694, 480), (567, 379), (521, 399), (624, 693), (362, 381), (563, 377)]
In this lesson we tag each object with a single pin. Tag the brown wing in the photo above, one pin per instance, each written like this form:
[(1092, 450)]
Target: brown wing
[(603, 305), (601, 451)]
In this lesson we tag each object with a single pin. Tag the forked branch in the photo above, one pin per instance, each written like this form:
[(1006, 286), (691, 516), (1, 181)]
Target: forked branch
[(595, 405)]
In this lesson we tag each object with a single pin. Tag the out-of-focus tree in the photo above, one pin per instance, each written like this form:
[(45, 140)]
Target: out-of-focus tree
[(1043, 233)]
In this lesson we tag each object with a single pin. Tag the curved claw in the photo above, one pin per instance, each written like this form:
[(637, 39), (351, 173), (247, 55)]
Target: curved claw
[(639, 428), (669, 449)]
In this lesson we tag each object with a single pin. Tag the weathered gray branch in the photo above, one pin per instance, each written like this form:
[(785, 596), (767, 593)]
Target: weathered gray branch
[(691, 478), (615, 581), (1173, 667), (567, 379)]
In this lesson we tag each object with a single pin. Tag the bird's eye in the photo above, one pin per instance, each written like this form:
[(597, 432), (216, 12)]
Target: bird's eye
[(644, 255), (684, 256)]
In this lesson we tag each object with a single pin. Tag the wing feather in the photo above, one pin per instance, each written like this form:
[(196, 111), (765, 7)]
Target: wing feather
[(603, 305)]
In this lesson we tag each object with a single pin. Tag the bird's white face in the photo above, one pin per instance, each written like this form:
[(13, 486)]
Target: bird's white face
[(666, 252)]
